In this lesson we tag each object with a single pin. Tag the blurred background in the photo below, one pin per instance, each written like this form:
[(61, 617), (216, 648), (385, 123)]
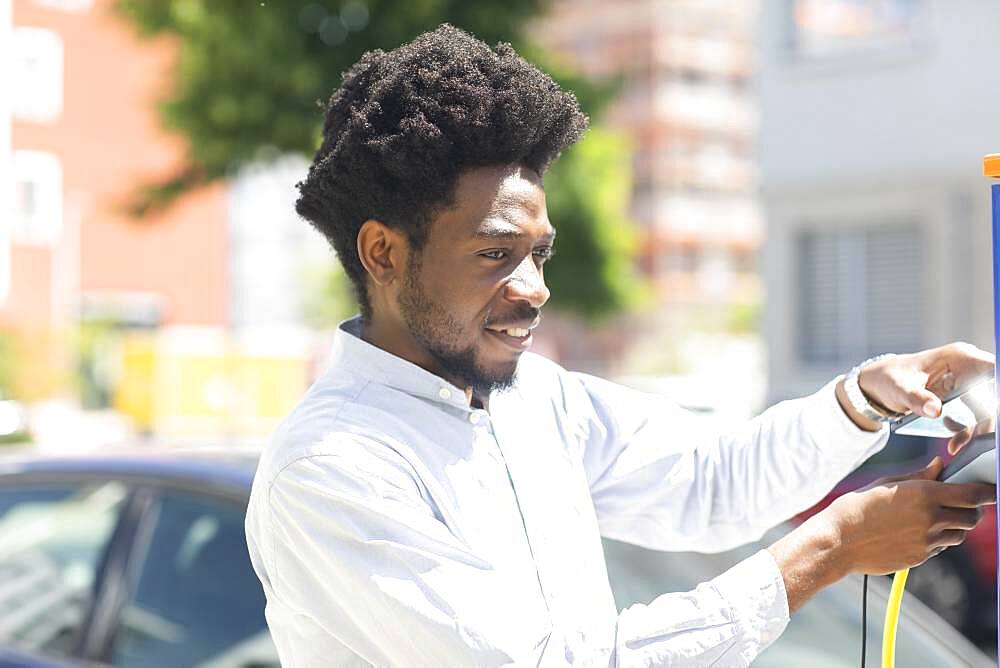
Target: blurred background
[(772, 191)]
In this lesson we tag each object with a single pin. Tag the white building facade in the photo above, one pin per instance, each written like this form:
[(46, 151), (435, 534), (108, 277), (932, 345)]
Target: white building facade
[(875, 117)]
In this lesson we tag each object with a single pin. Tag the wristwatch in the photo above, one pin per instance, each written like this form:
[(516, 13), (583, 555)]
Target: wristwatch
[(861, 403)]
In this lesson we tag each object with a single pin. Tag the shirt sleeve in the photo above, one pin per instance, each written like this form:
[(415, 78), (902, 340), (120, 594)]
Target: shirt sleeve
[(726, 621), (664, 478)]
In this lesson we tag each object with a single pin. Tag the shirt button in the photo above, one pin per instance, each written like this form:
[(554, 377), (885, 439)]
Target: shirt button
[(474, 418), (444, 393)]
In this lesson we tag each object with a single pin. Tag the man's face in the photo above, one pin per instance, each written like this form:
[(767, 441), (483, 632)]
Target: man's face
[(472, 295)]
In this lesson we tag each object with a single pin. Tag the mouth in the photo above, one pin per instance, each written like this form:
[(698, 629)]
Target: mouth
[(516, 336)]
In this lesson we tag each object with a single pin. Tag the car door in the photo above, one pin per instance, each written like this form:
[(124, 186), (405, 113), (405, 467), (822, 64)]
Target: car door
[(824, 633), (192, 597), (57, 538)]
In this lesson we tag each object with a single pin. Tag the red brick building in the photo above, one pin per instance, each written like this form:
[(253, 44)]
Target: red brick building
[(105, 139), (83, 134)]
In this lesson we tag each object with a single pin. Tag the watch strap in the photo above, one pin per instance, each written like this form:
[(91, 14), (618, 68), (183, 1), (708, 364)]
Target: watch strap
[(860, 402)]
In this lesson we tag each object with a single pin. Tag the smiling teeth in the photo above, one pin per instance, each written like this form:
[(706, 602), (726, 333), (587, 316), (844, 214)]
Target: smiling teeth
[(516, 332)]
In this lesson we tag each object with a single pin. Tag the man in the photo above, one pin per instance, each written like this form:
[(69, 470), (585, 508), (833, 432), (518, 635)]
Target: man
[(438, 496)]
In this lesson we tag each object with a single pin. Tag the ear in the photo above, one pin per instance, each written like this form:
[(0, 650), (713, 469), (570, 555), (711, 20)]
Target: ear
[(382, 251)]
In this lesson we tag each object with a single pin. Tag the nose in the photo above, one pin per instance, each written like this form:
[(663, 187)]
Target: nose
[(527, 284)]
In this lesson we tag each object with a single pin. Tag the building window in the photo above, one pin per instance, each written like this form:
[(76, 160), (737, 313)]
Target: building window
[(824, 28), (38, 75), (859, 293), (38, 198)]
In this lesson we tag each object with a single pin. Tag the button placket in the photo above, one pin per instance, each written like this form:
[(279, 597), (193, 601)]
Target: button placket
[(495, 453)]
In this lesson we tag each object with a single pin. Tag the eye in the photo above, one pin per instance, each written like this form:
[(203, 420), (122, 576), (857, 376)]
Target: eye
[(545, 252), (494, 254)]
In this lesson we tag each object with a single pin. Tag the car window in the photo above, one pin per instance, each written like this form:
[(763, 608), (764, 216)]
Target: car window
[(824, 633), (195, 600), (52, 540)]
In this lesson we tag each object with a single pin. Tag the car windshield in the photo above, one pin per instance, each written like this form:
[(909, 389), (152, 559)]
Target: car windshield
[(825, 633)]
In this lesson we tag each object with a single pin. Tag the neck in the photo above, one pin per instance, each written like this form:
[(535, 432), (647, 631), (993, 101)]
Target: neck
[(396, 340)]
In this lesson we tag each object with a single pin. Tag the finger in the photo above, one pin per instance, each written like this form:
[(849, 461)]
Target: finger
[(931, 471), (970, 361), (982, 408), (965, 495), (936, 551), (957, 518), (948, 538), (923, 402), (987, 425), (959, 441)]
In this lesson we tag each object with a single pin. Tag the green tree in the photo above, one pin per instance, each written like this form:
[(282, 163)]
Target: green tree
[(587, 190), (327, 295), (251, 78)]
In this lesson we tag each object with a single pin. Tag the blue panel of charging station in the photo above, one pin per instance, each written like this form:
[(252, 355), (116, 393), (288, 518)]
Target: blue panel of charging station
[(995, 190)]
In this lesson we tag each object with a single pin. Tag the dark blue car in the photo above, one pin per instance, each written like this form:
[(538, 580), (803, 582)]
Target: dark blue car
[(129, 560), (139, 558)]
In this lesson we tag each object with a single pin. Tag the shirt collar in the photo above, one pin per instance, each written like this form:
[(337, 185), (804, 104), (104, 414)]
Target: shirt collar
[(352, 352)]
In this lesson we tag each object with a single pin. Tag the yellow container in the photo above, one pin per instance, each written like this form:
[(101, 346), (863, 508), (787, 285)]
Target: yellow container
[(196, 384)]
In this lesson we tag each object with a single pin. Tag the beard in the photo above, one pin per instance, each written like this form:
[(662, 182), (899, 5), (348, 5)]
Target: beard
[(434, 328)]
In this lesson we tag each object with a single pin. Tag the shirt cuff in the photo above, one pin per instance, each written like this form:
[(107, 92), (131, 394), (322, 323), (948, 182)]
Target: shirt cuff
[(835, 432), (759, 603)]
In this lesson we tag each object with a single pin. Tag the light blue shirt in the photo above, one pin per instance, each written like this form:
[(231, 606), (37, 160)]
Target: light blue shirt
[(393, 524)]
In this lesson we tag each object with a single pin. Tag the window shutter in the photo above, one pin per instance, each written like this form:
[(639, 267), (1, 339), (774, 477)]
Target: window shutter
[(859, 293)]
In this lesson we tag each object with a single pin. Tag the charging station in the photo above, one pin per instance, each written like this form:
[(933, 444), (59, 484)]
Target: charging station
[(991, 169), (977, 462)]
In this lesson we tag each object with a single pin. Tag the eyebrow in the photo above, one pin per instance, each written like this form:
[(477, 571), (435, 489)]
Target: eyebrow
[(505, 233)]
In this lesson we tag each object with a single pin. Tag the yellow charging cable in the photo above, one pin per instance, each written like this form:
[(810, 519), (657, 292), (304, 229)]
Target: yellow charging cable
[(892, 618)]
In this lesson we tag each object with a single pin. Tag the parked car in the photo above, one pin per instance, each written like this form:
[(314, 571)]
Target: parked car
[(129, 560), (824, 633), (139, 558), (960, 584)]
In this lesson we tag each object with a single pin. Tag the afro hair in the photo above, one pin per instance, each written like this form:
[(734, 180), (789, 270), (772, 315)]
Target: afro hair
[(405, 123)]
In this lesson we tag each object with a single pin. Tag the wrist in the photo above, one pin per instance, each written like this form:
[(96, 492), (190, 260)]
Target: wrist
[(833, 528), (857, 418), (811, 558)]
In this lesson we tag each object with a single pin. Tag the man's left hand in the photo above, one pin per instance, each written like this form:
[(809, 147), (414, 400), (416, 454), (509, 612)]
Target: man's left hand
[(916, 382)]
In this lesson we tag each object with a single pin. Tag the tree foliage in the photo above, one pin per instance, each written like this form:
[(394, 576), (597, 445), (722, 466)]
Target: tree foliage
[(252, 77), (593, 273)]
